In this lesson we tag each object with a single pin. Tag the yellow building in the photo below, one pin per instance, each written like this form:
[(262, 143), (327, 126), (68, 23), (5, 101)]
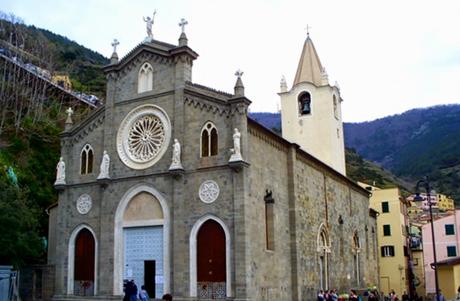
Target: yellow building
[(391, 238), (62, 80), (445, 203), (419, 271), (449, 277)]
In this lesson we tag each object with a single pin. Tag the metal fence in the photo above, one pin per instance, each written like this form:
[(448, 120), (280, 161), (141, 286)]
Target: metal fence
[(9, 280)]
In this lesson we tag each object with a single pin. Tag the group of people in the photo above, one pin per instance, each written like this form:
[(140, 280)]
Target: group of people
[(374, 295), (131, 293)]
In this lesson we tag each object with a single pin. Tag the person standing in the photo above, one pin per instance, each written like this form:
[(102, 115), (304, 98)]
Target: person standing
[(143, 295), (167, 297)]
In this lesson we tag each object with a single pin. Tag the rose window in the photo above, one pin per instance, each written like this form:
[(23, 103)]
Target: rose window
[(146, 137), (143, 136)]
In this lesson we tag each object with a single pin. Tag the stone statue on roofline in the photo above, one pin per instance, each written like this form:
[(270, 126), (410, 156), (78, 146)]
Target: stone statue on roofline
[(149, 23)]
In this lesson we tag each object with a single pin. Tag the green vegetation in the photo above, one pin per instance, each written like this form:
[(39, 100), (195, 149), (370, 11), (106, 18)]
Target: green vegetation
[(54, 53), (30, 123), (417, 143)]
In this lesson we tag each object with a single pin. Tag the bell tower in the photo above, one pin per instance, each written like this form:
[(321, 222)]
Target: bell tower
[(311, 111)]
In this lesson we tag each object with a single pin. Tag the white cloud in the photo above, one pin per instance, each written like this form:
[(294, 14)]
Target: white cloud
[(388, 56)]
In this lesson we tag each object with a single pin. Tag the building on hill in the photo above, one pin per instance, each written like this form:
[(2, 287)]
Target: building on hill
[(62, 80), (392, 239), (445, 203), (311, 113), (446, 233), (194, 198)]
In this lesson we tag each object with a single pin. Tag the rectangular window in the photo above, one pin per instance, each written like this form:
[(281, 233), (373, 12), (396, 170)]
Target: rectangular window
[(450, 229), (451, 251), (385, 207), (386, 230), (387, 251), (269, 226)]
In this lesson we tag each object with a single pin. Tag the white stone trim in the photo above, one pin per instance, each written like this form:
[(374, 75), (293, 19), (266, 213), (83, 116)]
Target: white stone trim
[(71, 259), (118, 246), (193, 254), (144, 223)]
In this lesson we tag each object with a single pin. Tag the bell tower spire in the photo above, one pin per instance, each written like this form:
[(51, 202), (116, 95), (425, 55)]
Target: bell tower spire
[(311, 110)]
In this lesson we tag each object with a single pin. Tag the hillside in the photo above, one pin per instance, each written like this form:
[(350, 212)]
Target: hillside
[(413, 144), (55, 53), (358, 168), (30, 123)]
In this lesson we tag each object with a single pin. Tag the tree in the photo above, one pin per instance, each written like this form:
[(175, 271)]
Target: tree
[(19, 240)]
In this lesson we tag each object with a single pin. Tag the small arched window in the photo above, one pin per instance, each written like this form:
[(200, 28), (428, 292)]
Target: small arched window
[(304, 101), (145, 78), (336, 112), (86, 160), (209, 140)]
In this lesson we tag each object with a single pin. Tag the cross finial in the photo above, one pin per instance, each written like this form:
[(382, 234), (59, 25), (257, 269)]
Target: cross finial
[(182, 24), (69, 112), (239, 73), (115, 43), (308, 30)]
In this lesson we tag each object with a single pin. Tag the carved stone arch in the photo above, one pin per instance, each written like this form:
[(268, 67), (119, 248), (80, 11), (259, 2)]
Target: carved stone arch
[(323, 252), (71, 258), (119, 240), (145, 78), (193, 253), (86, 159), (323, 242)]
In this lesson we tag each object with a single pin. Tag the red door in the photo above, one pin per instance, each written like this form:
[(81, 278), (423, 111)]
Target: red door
[(211, 253), (84, 256)]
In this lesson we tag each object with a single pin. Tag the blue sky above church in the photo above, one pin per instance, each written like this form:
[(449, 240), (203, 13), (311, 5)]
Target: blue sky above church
[(387, 56)]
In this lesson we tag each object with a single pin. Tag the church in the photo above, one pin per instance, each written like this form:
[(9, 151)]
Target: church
[(171, 184)]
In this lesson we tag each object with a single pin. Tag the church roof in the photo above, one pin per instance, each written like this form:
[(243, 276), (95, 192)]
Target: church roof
[(313, 160), (309, 68)]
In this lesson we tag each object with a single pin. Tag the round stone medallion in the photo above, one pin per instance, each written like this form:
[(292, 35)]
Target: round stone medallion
[(84, 204), (209, 191), (143, 136)]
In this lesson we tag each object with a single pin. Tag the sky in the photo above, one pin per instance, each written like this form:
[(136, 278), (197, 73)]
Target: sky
[(387, 56)]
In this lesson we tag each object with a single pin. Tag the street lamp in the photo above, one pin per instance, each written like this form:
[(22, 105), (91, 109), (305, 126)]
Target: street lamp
[(424, 183)]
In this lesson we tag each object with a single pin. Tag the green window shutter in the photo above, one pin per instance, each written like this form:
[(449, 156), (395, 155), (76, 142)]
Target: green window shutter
[(385, 207), (386, 230), (451, 251), (449, 229)]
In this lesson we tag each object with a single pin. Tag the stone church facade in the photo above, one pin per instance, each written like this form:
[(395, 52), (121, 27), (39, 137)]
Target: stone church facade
[(245, 214)]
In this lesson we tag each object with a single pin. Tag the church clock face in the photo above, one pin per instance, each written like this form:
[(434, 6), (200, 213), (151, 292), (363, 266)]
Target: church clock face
[(143, 136)]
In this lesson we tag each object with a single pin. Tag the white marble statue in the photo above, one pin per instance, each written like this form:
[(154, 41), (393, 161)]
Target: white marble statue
[(149, 23), (236, 150), (176, 163), (105, 164), (60, 172)]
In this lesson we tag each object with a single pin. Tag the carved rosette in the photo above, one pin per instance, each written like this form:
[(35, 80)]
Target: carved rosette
[(143, 136), (84, 204), (209, 191)]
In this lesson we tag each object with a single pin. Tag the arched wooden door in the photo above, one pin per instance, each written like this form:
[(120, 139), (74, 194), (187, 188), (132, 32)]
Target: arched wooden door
[(211, 261), (84, 263)]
